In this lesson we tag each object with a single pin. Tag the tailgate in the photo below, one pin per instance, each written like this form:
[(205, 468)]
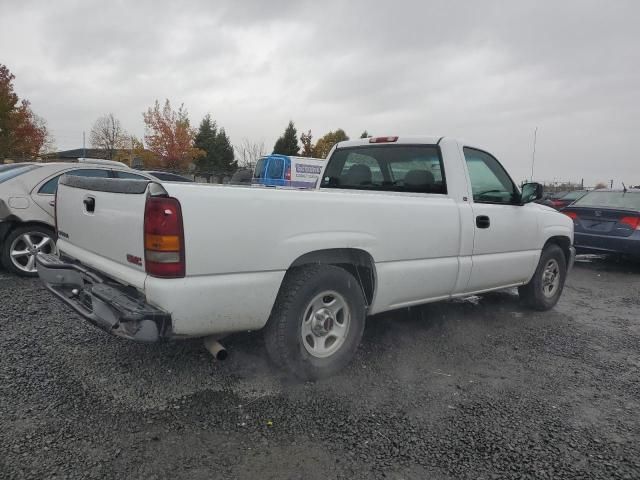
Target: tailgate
[(100, 222)]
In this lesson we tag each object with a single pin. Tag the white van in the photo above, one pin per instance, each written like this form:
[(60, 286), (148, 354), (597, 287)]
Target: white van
[(286, 171)]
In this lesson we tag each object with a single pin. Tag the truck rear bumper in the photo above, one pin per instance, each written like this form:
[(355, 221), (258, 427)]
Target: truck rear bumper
[(107, 305)]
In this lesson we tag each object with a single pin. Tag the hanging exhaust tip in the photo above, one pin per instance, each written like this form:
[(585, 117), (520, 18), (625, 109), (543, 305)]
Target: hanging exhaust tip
[(215, 348)]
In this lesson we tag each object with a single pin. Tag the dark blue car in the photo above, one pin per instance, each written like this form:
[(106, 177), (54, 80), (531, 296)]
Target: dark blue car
[(607, 221)]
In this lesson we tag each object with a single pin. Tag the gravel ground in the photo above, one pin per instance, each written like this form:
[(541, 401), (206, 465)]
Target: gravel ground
[(476, 389)]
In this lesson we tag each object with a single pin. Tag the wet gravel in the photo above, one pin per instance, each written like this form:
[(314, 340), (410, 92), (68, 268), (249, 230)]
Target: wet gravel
[(476, 389)]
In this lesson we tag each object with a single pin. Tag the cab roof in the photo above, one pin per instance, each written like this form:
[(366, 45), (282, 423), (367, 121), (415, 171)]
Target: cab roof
[(405, 139)]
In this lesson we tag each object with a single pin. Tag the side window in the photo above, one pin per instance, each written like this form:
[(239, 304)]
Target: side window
[(276, 168), (130, 176), (51, 186), (490, 183)]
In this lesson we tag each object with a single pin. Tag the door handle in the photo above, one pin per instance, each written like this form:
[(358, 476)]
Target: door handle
[(52, 203), (482, 221), (89, 204)]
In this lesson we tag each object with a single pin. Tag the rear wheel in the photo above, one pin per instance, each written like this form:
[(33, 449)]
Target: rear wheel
[(21, 246), (317, 322), (545, 288)]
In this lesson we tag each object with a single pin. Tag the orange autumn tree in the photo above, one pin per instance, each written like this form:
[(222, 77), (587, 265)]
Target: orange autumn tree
[(23, 134), (170, 137)]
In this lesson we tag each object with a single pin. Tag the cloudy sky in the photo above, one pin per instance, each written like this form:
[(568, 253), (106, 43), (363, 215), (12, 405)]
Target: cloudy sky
[(486, 71)]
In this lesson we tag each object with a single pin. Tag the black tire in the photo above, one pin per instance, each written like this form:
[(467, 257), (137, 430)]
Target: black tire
[(537, 293), (283, 333), (9, 241)]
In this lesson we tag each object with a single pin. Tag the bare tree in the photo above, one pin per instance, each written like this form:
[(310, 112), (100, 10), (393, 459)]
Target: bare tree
[(107, 134), (249, 152)]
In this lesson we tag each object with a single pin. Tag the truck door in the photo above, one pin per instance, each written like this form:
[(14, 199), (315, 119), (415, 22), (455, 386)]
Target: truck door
[(505, 232)]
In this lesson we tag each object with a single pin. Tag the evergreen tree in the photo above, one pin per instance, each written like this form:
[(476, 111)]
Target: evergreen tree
[(287, 144), (206, 141), (226, 156), (218, 156)]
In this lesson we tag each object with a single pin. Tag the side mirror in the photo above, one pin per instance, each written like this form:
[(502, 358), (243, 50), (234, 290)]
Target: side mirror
[(531, 192)]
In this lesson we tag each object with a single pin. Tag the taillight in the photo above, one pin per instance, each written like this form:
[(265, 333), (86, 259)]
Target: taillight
[(383, 139), (164, 238), (633, 222), (571, 215), (287, 173)]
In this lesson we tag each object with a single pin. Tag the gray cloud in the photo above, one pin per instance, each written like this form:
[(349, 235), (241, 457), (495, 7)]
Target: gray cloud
[(487, 71)]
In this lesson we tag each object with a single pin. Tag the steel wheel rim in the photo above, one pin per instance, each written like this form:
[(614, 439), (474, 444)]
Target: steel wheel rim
[(550, 278), (325, 324), (24, 248)]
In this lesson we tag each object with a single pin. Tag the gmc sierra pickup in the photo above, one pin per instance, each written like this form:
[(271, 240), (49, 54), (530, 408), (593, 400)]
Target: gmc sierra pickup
[(394, 222)]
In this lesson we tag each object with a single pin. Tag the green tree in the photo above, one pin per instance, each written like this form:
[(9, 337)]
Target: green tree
[(218, 157), (287, 144), (326, 143), (307, 145), (227, 163), (365, 134)]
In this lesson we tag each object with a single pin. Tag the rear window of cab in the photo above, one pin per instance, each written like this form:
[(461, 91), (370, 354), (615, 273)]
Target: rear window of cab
[(396, 168)]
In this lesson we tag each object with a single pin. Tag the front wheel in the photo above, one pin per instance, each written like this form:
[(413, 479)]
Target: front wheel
[(317, 322), (545, 288)]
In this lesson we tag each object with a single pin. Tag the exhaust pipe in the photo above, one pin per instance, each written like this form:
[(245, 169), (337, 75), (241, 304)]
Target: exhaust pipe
[(215, 348)]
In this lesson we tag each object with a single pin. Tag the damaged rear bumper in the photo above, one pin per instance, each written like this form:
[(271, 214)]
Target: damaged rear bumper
[(116, 309)]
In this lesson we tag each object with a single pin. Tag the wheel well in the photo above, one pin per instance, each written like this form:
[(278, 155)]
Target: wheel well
[(11, 223), (564, 243), (358, 263)]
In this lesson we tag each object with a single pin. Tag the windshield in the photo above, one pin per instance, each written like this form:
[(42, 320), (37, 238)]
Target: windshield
[(7, 172), (604, 199)]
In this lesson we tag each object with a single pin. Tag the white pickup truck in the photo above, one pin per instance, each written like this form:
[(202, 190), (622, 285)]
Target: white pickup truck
[(394, 222)]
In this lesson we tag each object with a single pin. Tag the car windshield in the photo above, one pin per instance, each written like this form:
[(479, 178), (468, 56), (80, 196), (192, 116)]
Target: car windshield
[(604, 199), (7, 172)]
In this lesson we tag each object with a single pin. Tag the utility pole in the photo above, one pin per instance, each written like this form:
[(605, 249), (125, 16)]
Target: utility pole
[(533, 158), (611, 187), (84, 149)]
